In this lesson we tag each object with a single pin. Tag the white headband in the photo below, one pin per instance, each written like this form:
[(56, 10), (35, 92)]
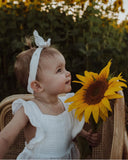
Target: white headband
[(39, 41)]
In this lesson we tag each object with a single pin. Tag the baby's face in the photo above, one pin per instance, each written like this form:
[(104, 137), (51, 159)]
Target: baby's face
[(54, 76)]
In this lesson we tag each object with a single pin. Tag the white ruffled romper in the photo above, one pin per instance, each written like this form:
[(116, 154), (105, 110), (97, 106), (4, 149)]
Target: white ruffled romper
[(54, 134)]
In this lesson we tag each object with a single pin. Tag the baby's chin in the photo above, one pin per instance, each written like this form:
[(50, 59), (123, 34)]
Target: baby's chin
[(69, 90)]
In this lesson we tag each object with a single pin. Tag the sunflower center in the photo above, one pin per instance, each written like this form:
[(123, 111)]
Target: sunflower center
[(95, 92)]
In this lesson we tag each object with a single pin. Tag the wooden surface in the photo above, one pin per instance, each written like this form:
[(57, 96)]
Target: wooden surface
[(119, 129)]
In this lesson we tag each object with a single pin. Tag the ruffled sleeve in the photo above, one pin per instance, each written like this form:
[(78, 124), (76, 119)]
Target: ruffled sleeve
[(77, 125), (29, 110), (32, 112)]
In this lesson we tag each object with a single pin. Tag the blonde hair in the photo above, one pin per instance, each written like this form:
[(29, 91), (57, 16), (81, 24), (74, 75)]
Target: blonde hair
[(22, 63)]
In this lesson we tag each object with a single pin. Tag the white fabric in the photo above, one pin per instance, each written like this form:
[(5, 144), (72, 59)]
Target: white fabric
[(35, 58), (54, 134)]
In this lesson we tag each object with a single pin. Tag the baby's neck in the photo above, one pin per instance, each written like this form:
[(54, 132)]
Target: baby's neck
[(49, 104), (47, 99)]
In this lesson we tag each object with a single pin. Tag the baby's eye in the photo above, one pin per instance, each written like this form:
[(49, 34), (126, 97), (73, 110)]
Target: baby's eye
[(59, 70)]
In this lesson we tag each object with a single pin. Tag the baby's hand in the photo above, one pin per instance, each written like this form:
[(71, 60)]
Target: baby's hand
[(93, 138)]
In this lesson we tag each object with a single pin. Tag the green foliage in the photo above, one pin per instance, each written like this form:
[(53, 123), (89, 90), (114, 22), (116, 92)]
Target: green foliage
[(88, 42)]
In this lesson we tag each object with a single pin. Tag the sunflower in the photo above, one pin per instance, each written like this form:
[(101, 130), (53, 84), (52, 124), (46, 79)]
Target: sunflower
[(93, 97), (120, 2), (105, 1), (117, 4)]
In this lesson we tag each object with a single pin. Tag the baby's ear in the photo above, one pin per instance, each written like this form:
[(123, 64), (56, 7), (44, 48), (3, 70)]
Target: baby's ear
[(37, 86)]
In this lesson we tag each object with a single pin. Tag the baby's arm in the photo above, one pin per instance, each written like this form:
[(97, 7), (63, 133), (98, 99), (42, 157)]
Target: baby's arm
[(92, 138), (13, 128)]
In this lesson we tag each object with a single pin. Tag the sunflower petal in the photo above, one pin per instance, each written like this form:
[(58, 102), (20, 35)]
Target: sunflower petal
[(95, 113), (103, 116), (73, 98), (109, 92), (105, 71), (90, 74), (103, 109), (114, 96), (71, 107), (87, 113), (115, 79), (117, 84), (80, 117), (81, 78), (112, 90), (120, 78), (79, 111), (106, 103)]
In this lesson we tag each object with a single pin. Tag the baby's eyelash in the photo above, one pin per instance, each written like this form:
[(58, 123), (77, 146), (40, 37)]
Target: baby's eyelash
[(59, 70)]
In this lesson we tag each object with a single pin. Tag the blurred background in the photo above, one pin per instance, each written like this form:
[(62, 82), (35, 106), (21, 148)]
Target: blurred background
[(88, 33)]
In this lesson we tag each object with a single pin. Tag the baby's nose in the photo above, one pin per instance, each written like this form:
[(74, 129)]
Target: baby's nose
[(68, 73)]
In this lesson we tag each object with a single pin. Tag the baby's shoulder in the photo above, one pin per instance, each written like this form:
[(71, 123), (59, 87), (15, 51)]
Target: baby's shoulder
[(17, 104), (20, 115)]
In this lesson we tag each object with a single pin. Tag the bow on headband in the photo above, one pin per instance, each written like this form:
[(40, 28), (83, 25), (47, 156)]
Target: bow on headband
[(40, 41)]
